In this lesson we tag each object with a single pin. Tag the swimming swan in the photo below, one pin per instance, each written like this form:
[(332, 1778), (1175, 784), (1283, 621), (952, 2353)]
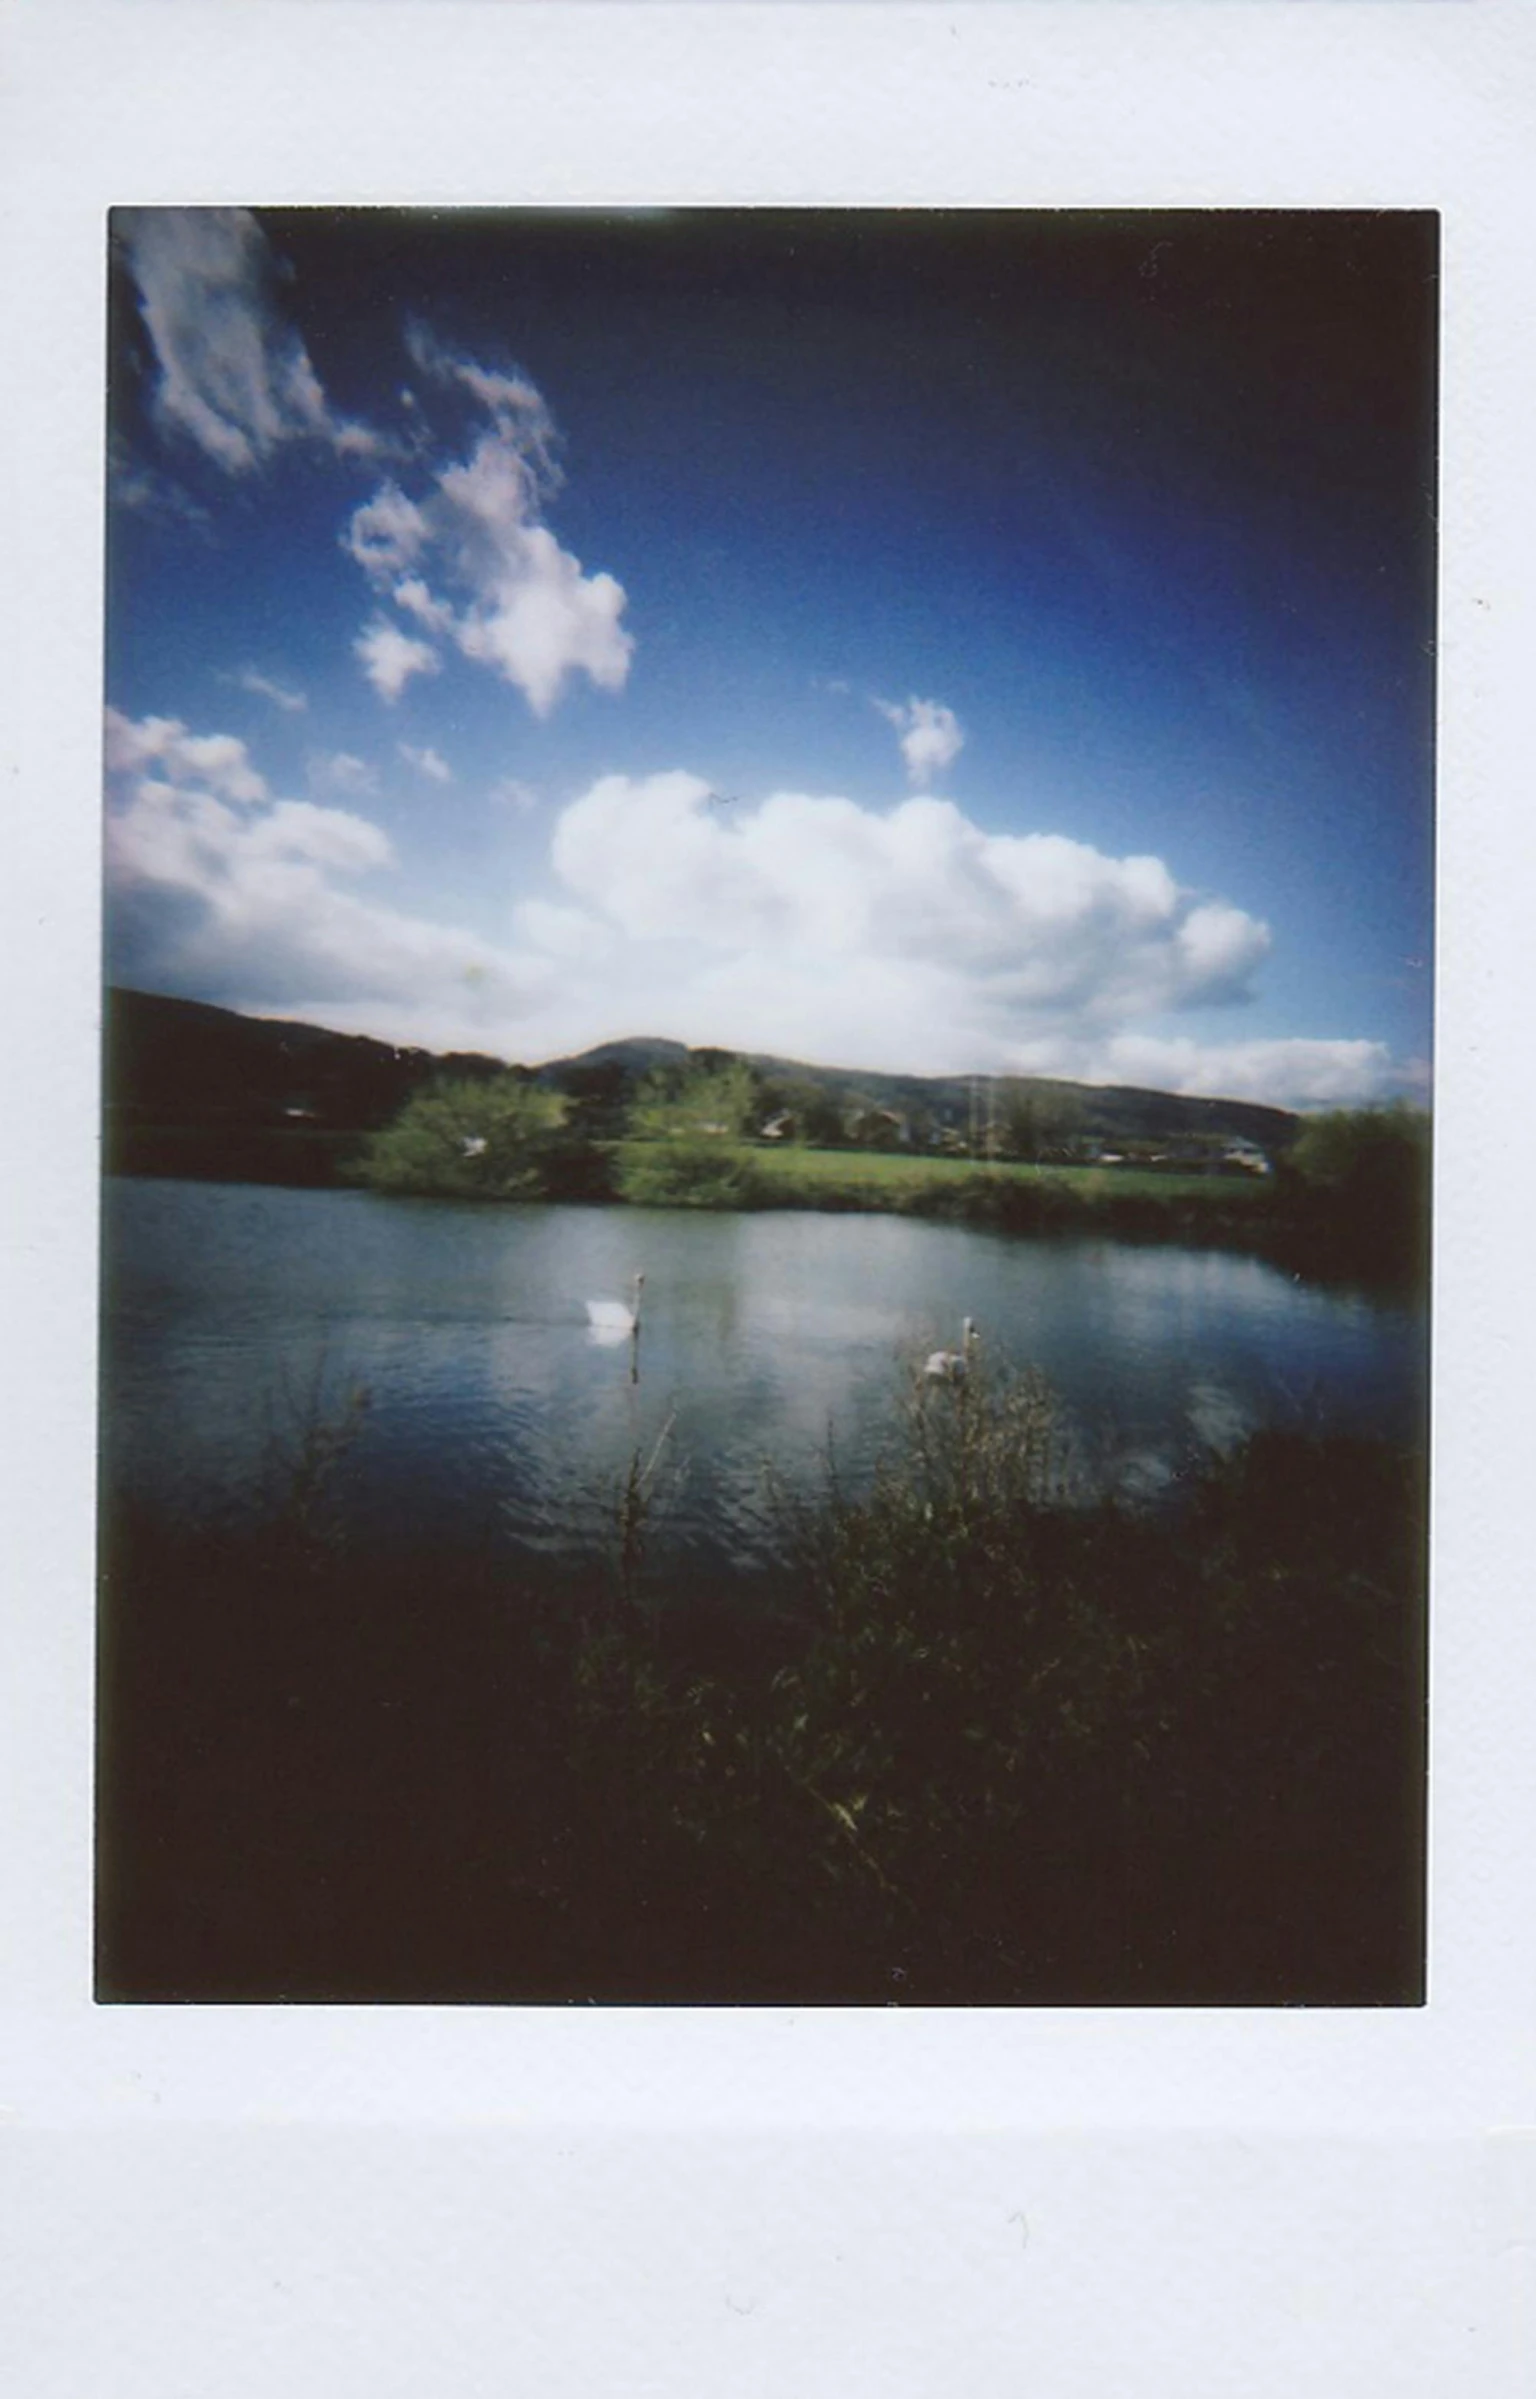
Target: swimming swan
[(951, 1365), (611, 1320)]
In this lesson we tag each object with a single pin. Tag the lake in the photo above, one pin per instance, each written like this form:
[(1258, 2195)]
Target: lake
[(240, 1320)]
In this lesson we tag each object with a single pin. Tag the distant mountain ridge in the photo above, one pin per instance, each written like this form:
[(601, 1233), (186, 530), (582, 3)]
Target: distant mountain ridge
[(193, 1088), (1107, 1112)]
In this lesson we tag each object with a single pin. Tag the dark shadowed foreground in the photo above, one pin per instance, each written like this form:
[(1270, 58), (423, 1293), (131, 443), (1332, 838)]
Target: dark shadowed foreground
[(985, 1739)]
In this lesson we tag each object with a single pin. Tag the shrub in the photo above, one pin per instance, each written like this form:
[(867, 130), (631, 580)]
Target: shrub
[(497, 1139), (701, 1173), (1355, 1191)]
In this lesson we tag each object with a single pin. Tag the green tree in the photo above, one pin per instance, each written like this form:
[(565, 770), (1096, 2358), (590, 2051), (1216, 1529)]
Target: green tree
[(1356, 1185), (707, 1102), (817, 1114), (1035, 1120), (1363, 1153), (687, 1126), (494, 1139)]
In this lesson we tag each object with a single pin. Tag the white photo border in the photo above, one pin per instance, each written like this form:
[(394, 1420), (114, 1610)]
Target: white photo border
[(1349, 103)]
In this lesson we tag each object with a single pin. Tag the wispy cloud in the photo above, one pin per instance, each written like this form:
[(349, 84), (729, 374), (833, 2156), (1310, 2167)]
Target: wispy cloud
[(265, 688), (234, 377), (472, 560), (426, 762), (512, 792), (339, 770), (131, 483)]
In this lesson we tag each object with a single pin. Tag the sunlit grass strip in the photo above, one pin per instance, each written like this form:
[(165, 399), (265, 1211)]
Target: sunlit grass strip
[(877, 1178)]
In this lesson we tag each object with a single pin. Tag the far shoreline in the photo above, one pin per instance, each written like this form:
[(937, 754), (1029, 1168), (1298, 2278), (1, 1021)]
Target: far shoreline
[(1267, 1219)]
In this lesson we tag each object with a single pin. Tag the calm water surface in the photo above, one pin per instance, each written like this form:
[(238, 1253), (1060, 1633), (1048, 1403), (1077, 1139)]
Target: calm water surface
[(238, 1318)]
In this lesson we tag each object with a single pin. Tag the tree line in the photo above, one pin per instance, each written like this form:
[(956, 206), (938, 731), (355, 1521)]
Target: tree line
[(512, 1136), (1349, 1196)]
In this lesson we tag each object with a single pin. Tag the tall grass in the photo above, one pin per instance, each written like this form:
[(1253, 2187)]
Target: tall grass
[(989, 1736), (1030, 1742), (312, 1425)]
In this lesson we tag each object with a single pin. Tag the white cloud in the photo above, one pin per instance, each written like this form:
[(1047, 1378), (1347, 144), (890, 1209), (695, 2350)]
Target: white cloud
[(536, 618), (265, 688), (1042, 925), (929, 733), (569, 933), (412, 595), (521, 604), (233, 377), (218, 761), (515, 403), (806, 925), (813, 927), (338, 770), (1285, 1073), (299, 832), (390, 657), (426, 762), (386, 534), (252, 905)]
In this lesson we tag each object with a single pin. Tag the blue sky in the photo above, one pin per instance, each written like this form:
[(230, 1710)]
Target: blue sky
[(941, 642)]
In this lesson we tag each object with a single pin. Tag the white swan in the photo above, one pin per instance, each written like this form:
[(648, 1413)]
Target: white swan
[(610, 1321), (950, 1365)]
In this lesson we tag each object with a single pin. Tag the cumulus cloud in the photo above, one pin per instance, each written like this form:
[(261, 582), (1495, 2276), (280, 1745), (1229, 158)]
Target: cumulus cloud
[(234, 377), (1039, 925), (805, 925), (390, 657), (814, 927), (426, 762), (929, 735), (217, 761), (249, 901), (472, 560)]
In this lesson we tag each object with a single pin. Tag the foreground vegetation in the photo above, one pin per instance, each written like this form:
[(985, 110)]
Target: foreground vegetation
[(987, 1737)]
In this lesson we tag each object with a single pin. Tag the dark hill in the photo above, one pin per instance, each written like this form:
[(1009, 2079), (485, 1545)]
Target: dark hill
[(1105, 1112), (191, 1089), (194, 1089)]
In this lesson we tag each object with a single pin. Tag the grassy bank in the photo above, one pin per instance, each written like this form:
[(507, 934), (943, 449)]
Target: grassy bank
[(1379, 1236), (987, 1738), (894, 1179)]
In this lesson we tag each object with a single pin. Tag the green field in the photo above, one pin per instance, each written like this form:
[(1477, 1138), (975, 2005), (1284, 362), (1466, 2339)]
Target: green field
[(884, 1178)]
